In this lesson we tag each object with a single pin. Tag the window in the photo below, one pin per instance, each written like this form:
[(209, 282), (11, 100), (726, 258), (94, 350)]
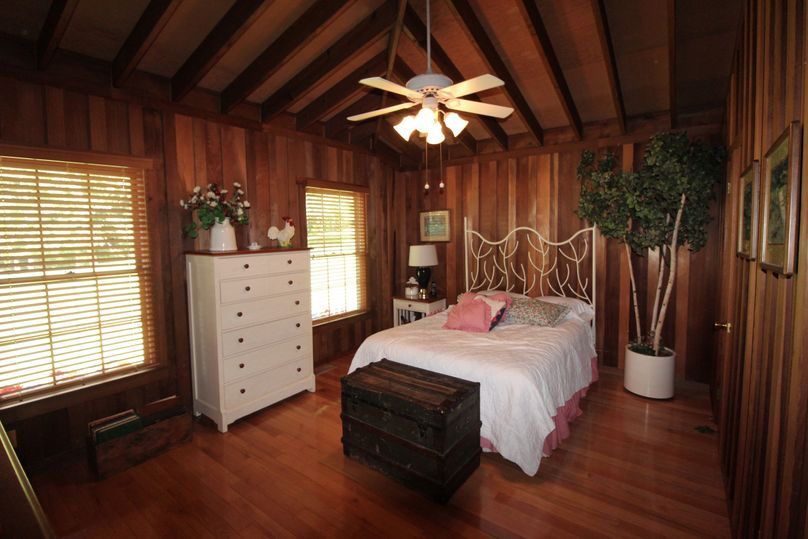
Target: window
[(336, 234), (74, 274)]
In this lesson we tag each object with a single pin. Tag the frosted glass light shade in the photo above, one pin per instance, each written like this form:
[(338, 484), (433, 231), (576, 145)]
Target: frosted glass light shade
[(405, 127), (424, 120), (423, 256), (435, 135), (455, 123)]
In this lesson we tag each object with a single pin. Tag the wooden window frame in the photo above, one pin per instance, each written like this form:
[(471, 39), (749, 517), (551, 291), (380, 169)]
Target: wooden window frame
[(160, 369), (302, 184)]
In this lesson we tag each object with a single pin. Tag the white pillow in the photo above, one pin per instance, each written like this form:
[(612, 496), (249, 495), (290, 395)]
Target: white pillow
[(578, 307)]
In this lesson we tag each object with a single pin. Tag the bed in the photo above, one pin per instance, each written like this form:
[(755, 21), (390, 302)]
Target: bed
[(531, 377)]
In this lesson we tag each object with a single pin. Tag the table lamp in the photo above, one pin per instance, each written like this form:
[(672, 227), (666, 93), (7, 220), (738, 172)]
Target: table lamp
[(422, 257)]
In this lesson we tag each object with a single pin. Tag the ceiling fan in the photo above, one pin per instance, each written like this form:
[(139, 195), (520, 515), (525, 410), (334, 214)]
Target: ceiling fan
[(430, 90)]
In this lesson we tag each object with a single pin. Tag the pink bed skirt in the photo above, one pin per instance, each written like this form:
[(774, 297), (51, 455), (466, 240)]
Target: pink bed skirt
[(565, 415)]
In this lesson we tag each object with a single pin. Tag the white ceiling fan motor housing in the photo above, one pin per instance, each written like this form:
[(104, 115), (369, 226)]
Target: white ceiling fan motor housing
[(428, 84)]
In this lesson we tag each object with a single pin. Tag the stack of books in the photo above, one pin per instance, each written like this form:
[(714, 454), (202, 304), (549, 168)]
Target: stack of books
[(114, 426)]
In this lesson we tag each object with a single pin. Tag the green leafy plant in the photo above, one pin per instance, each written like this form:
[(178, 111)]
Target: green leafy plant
[(662, 207), (213, 207)]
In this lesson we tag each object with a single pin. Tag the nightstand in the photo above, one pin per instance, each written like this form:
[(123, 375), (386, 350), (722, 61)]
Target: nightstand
[(407, 310)]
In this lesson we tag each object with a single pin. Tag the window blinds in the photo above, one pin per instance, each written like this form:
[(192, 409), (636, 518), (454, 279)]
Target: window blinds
[(74, 274), (336, 232)]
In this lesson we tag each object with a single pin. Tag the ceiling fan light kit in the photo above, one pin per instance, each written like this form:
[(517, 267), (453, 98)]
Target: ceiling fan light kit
[(431, 90)]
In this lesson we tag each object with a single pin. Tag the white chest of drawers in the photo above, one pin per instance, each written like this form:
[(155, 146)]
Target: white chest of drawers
[(250, 330)]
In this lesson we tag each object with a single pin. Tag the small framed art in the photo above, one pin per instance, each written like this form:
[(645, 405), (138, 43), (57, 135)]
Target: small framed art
[(781, 186), (435, 225), (748, 204)]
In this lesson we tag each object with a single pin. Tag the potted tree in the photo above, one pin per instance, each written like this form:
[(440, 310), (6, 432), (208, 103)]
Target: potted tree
[(662, 207)]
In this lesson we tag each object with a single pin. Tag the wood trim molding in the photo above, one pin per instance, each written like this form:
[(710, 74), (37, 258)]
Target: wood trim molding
[(325, 184), (81, 156)]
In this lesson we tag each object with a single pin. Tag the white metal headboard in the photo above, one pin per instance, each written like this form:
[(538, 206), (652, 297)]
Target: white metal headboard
[(553, 268)]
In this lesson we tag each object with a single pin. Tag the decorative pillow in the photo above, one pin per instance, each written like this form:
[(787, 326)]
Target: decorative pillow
[(497, 308), (536, 312), (578, 307), (497, 295), (474, 316)]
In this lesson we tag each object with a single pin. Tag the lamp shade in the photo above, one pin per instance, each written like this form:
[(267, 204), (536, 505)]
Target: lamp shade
[(405, 127), (423, 256)]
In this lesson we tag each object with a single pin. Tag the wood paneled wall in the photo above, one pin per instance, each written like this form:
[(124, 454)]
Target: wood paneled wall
[(541, 191), (185, 151), (763, 378)]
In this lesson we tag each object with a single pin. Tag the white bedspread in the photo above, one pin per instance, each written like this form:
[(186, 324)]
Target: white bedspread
[(525, 372)]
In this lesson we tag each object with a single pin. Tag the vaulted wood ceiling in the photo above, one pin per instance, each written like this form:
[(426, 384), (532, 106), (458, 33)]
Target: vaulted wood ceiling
[(567, 64)]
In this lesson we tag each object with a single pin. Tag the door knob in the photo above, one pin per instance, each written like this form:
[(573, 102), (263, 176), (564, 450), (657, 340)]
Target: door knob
[(726, 325)]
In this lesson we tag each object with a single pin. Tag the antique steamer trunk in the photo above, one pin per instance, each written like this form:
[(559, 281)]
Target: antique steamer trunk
[(417, 426)]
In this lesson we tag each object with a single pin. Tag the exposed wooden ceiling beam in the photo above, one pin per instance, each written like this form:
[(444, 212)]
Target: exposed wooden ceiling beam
[(672, 60), (146, 30), (553, 67), (389, 136), (59, 15), (354, 42), (607, 49), (466, 15), (380, 147), (392, 51), (340, 92), (418, 30), (218, 41), (403, 72), (273, 57)]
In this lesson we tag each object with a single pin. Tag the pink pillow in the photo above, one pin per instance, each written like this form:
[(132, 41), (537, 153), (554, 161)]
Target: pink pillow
[(469, 316)]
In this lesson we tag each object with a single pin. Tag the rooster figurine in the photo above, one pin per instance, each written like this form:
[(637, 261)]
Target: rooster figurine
[(285, 235)]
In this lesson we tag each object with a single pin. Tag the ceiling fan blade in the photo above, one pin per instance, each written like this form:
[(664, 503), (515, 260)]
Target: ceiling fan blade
[(388, 86), (475, 107), (379, 112), (472, 86)]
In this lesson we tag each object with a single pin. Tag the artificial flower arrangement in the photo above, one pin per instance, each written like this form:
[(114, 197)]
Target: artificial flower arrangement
[(213, 207)]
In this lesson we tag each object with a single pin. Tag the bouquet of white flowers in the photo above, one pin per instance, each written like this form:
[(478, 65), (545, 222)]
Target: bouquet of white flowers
[(213, 207)]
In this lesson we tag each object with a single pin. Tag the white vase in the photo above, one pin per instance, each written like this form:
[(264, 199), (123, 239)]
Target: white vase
[(649, 376), (223, 236)]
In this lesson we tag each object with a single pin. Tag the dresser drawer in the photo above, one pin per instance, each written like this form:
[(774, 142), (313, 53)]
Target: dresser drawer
[(263, 310), (257, 287), (244, 391), (245, 365), (249, 338), (249, 266)]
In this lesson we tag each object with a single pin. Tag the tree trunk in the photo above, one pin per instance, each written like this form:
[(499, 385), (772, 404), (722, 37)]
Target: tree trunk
[(671, 276), (658, 295), (634, 293)]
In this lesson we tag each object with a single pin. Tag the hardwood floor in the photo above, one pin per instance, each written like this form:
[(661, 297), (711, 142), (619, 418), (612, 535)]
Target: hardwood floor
[(631, 468)]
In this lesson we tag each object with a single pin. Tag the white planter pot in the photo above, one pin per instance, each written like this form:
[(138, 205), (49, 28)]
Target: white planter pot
[(223, 236), (649, 376)]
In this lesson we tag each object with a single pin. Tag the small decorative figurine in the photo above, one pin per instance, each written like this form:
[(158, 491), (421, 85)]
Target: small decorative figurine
[(285, 235)]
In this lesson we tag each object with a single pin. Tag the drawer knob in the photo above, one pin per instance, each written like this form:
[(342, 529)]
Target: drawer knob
[(297, 302), (246, 266), (241, 365), (241, 339), (299, 369), (289, 261), (409, 305), (297, 325), (298, 347), (239, 314), (291, 282), (242, 391), (247, 288)]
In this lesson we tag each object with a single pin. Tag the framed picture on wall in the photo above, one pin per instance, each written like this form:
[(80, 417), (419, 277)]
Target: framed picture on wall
[(435, 225), (781, 185), (748, 204)]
